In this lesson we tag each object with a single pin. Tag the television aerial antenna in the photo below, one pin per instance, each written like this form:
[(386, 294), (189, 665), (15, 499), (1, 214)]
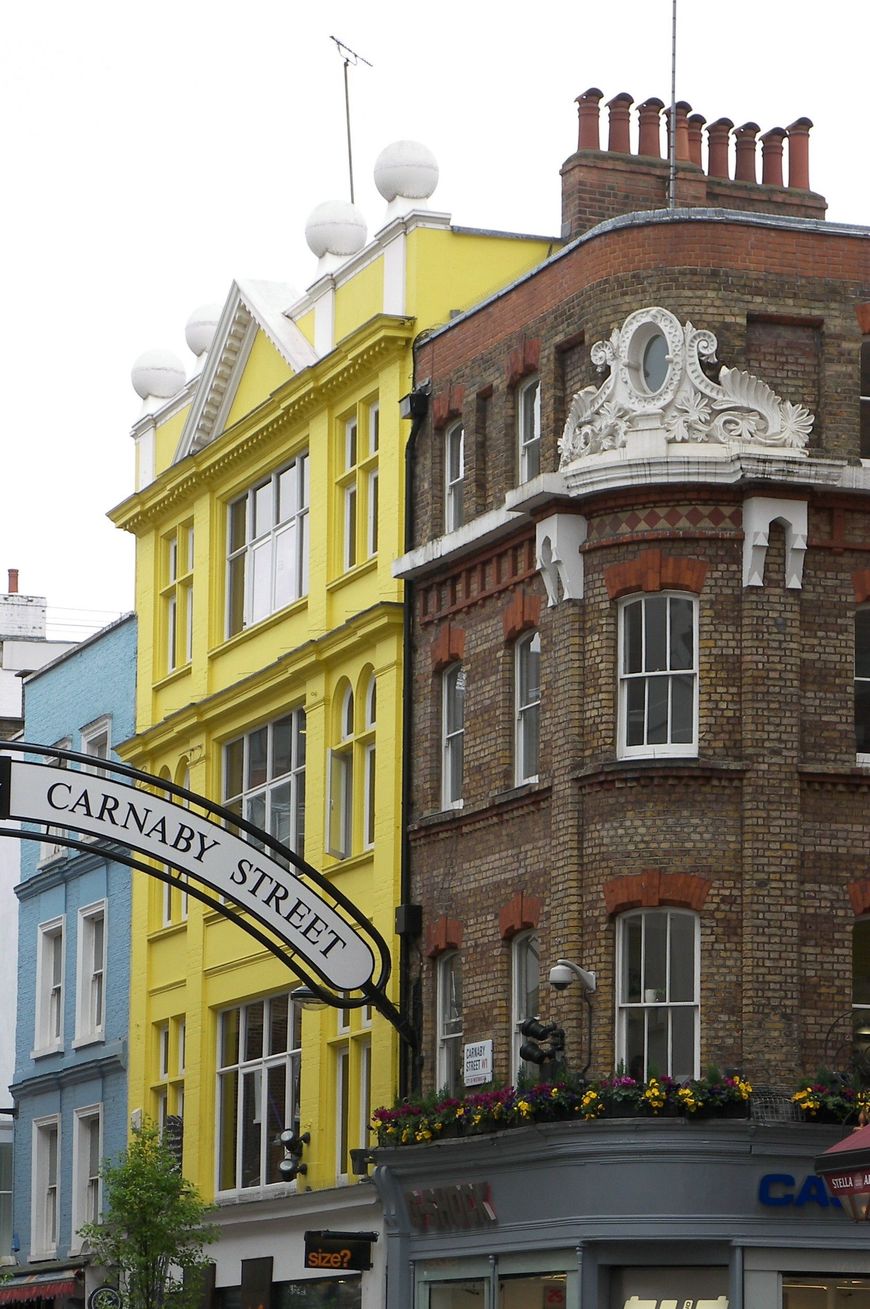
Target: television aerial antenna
[(350, 57)]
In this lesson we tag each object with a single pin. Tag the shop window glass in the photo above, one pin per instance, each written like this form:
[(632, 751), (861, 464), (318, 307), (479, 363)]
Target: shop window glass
[(810, 1292)]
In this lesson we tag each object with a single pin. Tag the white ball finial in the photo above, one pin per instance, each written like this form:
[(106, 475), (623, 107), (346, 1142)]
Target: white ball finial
[(335, 228), (406, 168), (157, 373), (200, 329)]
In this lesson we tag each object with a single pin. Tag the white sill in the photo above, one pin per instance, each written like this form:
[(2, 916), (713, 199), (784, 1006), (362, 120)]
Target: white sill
[(658, 752), (862, 760), (43, 1050), (89, 1038)]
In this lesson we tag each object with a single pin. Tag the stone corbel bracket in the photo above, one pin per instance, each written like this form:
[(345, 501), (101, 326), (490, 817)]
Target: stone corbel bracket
[(758, 513), (557, 551)]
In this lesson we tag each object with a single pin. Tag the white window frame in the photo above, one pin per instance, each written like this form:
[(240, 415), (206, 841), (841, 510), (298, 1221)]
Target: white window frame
[(340, 797), (50, 850), (364, 1064), (369, 765), (264, 793), (454, 479), (282, 586), (666, 749), (87, 1191), (257, 1069), (91, 975), (523, 945), (97, 741), (342, 1113), (45, 1195), (448, 1073), (452, 739), (529, 446), (651, 1005), (862, 756), (527, 709), (177, 593), (50, 993)]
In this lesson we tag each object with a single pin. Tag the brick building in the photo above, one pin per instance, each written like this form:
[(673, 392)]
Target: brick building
[(640, 654)]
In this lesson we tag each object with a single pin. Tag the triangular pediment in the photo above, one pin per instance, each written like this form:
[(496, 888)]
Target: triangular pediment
[(251, 308)]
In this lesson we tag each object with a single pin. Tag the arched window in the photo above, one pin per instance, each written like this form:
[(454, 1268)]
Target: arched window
[(529, 429), (369, 767), (454, 477), (527, 706), (525, 984), (658, 675), (339, 837), (452, 734), (449, 1023), (862, 681), (657, 1011)]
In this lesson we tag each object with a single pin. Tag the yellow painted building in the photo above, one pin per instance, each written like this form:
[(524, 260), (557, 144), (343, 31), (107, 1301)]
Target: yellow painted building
[(267, 515)]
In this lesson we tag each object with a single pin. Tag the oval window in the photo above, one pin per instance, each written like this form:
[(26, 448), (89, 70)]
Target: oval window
[(655, 362)]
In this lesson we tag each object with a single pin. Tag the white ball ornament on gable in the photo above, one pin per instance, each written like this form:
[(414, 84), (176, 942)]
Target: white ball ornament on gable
[(200, 328), (406, 168), (336, 228), (158, 373)]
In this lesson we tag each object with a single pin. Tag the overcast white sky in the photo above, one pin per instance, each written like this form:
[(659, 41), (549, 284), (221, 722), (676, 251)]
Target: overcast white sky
[(151, 152)]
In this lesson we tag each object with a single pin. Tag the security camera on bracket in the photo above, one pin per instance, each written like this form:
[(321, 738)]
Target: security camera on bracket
[(563, 973)]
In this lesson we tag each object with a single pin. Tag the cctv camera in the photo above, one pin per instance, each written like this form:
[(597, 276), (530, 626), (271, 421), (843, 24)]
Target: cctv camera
[(561, 976)]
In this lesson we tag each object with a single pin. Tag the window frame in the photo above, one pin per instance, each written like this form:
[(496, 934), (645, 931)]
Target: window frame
[(340, 782), (454, 486), (41, 1223), (522, 945), (861, 756), (864, 399), (526, 711), (448, 1065), (452, 754), (96, 741), (668, 749), (176, 594), (528, 449), (88, 1031), (48, 1034), (50, 850), (624, 1007), (86, 1184), (242, 557), (358, 447), (290, 1059), (294, 777), (861, 1008)]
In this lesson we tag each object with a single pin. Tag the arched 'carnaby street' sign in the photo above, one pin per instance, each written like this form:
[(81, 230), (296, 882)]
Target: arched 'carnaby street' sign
[(312, 919)]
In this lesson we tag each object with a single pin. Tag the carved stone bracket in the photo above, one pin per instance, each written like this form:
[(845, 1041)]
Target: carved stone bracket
[(557, 548), (660, 391), (759, 512)]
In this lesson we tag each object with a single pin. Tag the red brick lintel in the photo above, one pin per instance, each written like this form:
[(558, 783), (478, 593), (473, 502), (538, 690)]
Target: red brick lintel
[(652, 570), (652, 888)]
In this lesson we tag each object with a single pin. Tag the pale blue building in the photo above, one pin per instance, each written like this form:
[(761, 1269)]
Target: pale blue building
[(69, 1087)]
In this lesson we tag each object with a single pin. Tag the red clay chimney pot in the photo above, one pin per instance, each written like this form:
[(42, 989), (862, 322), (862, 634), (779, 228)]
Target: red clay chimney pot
[(618, 137), (695, 123), (717, 147), (649, 117), (587, 112), (745, 136), (13, 581), (771, 156), (799, 153)]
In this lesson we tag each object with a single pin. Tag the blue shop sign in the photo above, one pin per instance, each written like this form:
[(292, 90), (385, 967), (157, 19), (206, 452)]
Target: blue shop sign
[(780, 1190)]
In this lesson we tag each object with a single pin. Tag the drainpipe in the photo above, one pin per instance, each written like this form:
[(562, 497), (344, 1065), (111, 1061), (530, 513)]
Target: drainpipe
[(415, 406)]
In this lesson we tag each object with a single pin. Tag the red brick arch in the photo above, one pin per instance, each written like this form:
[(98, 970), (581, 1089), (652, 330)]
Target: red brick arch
[(652, 888), (519, 914), (861, 583), (443, 935), (654, 571), (448, 646), (859, 896)]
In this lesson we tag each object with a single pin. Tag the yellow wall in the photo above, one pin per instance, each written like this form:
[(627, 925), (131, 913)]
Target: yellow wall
[(345, 629)]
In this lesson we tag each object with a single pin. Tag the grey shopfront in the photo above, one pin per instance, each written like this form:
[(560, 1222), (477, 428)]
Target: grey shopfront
[(620, 1214)]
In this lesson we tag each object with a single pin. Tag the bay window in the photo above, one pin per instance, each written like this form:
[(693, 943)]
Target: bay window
[(658, 676), (657, 993)]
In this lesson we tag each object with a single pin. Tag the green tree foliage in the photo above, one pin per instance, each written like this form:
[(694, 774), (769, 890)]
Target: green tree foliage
[(153, 1230)]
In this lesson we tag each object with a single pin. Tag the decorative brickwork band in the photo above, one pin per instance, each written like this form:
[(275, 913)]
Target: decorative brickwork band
[(522, 361), (443, 935), (654, 571), (861, 583), (523, 612), (521, 913), (652, 888), (447, 405), (448, 646), (859, 895)]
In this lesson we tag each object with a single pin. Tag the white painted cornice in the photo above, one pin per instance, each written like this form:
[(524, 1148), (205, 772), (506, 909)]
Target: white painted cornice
[(482, 531)]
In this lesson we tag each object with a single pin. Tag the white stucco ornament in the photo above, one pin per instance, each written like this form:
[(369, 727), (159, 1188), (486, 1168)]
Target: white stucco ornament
[(657, 387), (157, 373), (335, 228), (200, 329), (406, 168)]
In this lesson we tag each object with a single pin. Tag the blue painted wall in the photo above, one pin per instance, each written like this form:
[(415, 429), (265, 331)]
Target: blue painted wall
[(96, 680)]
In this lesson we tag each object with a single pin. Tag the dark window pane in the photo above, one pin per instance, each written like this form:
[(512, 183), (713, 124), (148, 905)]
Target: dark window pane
[(238, 519), (229, 1110), (682, 710), (682, 634), (251, 1128), (278, 1009), (861, 963), (229, 1038), (634, 1044), (635, 710), (632, 983), (682, 1043), (236, 605), (862, 643), (633, 638), (233, 762), (682, 958), (257, 746), (862, 717), (281, 746), (254, 1031), (656, 619), (657, 710), (655, 955)]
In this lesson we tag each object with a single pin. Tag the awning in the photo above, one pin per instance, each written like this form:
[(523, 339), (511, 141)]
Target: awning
[(39, 1286)]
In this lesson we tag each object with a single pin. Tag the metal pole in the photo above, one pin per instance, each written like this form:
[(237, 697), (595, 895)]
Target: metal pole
[(672, 125), (347, 116)]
